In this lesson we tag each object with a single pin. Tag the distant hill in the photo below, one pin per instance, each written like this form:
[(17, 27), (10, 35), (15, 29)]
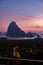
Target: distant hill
[(14, 30), (30, 34), (0, 33)]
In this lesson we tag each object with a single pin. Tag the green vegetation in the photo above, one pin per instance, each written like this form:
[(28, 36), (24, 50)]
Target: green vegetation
[(27, 48)]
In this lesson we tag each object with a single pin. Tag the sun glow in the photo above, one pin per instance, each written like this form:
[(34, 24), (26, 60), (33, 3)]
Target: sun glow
[(25, 23), (38, 22)]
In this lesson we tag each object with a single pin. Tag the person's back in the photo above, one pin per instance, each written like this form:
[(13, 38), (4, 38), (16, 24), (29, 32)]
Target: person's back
[(17, 54)]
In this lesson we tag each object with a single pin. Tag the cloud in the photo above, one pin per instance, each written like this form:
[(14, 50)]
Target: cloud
[(24, 22)]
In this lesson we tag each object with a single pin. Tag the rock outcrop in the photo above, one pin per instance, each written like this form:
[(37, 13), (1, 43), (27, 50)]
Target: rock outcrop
[(14, 30)]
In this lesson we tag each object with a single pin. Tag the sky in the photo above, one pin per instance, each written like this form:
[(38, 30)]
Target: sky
[(28, 14)]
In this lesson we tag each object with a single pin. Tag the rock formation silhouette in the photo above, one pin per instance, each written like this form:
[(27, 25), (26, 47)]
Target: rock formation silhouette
[(14, 30)]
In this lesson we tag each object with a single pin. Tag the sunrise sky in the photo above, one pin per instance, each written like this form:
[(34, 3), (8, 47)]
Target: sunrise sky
[(28, 14)]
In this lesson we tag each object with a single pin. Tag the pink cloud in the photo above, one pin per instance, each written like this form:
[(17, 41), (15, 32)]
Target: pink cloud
[(25, 23)]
